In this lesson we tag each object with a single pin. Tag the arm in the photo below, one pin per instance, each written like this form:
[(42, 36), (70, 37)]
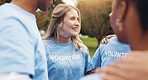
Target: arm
[(88, 64), (16, 48), (96, 60)]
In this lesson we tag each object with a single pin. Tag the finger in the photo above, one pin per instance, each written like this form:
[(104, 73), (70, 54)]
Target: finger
[(133, 62), (106, 40), (103, 41), (127, 71), (110, 36), (97, 70), (116, 69), (124, 68)]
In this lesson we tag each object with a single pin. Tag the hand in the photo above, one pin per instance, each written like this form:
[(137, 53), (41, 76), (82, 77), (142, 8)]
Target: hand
[(96, 70), (105, 40), (133, 67), (90, 72)]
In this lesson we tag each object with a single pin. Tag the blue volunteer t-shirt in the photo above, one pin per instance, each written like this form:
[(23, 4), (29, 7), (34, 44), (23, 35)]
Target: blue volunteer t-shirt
[(65, 62), (108, 53), (21, 47)]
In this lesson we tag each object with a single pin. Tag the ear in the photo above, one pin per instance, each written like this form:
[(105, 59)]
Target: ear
[(60, 24), (122, 11)]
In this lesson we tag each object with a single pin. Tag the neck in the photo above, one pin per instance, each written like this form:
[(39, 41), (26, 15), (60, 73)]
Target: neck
[(28, 5), (140, 43), (63, 40), (122, 40)]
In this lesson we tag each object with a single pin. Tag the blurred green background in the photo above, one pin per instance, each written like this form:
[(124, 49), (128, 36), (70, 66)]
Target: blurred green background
[(92, 44)]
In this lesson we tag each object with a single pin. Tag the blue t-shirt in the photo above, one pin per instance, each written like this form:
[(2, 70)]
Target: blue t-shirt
[(107, 53), (21, 47), (94, 76), (65, 62)]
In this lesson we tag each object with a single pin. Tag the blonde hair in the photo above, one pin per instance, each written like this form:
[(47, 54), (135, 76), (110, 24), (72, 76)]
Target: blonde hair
[(57, 17)]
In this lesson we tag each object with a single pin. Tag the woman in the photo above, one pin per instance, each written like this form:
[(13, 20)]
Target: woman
[(67, 57)]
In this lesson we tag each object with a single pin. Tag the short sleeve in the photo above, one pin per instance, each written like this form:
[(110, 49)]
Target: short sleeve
[(88, 63), (16, 47), (97, 58)]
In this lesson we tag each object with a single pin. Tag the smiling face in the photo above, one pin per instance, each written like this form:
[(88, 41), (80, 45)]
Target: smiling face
[(70, 25)]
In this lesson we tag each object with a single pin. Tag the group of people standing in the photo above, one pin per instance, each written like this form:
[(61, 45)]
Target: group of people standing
[(60, 54)]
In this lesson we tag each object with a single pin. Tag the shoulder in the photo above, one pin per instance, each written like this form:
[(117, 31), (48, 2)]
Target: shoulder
[(85, 49), (8, 10), (111, 41), (104, 46), (49, 43), (46, 43), (15, 27)]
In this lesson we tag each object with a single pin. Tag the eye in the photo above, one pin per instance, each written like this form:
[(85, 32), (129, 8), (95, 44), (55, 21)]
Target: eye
[(78, 19), (73, 18)]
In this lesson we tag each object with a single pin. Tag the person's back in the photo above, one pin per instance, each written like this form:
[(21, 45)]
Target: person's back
[(108, 53), (22, 53)]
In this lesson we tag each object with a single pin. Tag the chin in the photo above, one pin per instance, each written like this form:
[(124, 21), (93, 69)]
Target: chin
[(74, 34), (43, 9)]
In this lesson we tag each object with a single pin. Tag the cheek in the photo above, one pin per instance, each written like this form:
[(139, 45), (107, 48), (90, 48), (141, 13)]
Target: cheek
[(113, 19), (49, 3), (65, 27), (68, 24)]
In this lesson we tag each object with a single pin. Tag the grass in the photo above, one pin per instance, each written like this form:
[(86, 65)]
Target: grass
[(91, 43)]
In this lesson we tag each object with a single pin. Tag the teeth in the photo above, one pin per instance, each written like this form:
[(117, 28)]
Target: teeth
[(74, 28)]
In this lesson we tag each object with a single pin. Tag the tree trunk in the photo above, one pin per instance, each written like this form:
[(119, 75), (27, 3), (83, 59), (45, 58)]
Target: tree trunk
[(99, 40)]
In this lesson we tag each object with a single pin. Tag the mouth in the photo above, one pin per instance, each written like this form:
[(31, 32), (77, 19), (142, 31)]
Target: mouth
[(75, 29)]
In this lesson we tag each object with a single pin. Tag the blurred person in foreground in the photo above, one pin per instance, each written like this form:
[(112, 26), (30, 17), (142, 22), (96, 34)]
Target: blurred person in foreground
[(130, 17), (22, 53)]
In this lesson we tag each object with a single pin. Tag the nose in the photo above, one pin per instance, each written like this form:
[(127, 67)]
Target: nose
[(77, 23)]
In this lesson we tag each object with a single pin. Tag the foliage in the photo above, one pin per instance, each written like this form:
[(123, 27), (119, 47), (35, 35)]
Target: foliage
[(43, 18), (4, 1), (91, 43), (95, 19)]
